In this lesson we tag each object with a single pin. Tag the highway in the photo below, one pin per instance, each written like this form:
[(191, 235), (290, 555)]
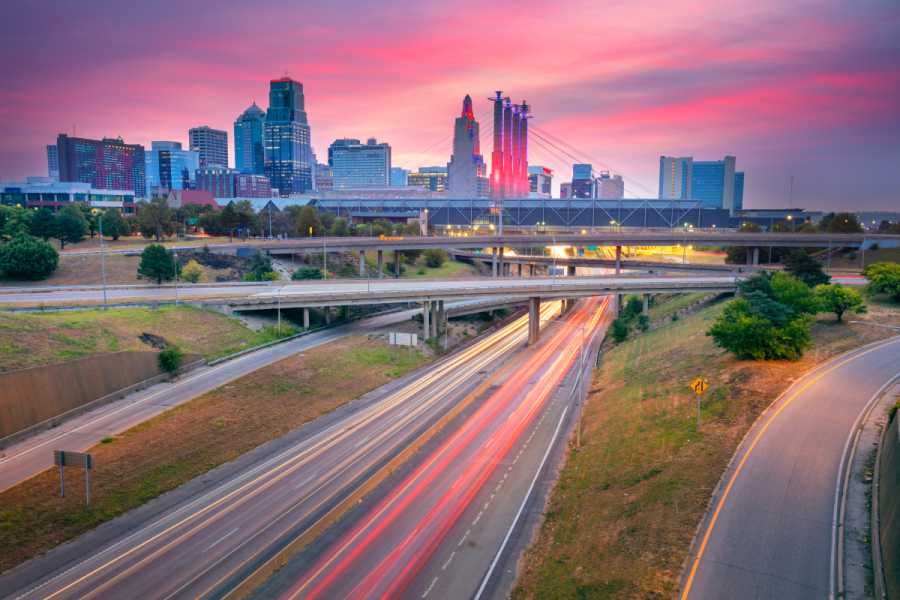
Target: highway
[(137, 292), (208, 535), (441, 528), (33, 455), (773, 524)]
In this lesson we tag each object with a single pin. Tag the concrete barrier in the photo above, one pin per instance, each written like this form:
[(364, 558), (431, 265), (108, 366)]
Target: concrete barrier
[(889, 507), (38, 398)]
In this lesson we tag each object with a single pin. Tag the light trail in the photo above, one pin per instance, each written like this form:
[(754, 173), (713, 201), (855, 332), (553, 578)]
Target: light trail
[(402, 530), (264, 500)]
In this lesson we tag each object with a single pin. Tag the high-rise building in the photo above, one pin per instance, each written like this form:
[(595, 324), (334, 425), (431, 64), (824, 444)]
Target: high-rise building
[(430, 178), (250, 140), (324, 177), (170, 168), (107, 164), (222, 182), (467, 173), (212, 144), (288, 151), (398, 175), (509, 159), (608, 187), (540, 182), (714, 183), (339, 143), (361, 165), (52, 162), (583, 181)]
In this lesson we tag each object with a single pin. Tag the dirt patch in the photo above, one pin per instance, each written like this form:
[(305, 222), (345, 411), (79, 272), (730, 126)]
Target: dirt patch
[(154, 341), (222, 267), (620, 520), (191, 439)]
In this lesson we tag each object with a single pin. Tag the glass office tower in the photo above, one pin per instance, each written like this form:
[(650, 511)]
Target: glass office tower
[(166, 165), (288, 153), (250, 140)]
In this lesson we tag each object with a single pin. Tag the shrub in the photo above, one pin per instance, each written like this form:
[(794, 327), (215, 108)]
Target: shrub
[(206, 249), (883, 277), (620, 330), (170, 358), (421, 271), (839, 299), (434, 258), (270, 276), (28, 257), (193, 272), (805, 268), (390, 267), (307, 273), (157, 263), (284, 331)]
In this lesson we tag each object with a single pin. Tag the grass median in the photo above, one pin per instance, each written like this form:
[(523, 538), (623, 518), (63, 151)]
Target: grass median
[(621, 518), (183, 443)]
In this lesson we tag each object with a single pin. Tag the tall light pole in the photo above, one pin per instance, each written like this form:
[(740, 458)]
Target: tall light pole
[(175, 264), (580, 377), (102, 260), (554, 258)]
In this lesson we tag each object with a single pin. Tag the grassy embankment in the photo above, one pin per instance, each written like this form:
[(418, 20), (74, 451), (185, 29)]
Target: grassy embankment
[(195, 437), (666, 304), (623, 513), (451, 268), (133, 243), (845, 264), (34, 339)]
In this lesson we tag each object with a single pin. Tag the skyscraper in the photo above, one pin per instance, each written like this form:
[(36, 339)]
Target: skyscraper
[(398, 176), (52, 162), (509, 159), (170, 168), (583, 181), (106, 164), (467, 173), (357, 165), (338, 143), (212, 144), (714, 182), (609, 187), (288, 153), (250, 140)]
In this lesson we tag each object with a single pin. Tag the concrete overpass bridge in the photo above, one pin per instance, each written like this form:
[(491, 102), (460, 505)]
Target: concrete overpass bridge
[(432, 293)]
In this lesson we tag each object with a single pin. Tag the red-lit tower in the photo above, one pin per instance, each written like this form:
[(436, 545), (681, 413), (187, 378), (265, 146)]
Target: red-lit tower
[(515, 174), (523, 149), (497, 187)]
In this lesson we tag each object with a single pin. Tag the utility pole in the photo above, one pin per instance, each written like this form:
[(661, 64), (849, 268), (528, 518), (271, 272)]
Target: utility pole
[(102, 260)]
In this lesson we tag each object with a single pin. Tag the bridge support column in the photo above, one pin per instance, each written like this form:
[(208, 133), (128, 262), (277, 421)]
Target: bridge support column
[(618, 305), (327, 315), (531, 270), (570, 271), (396, 264), (618, 259), (305, 318), (426, 321), (362, 263), (500, 264), (380, 265), (434, 318), (534, 320), (520, 269), (756, 256), (646, 305), (442, 326), (494, 274)]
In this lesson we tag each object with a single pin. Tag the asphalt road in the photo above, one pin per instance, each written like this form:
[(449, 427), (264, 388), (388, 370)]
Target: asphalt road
[(771, 532), (442, 527), (212, 532), (33, 455), (140, 292)]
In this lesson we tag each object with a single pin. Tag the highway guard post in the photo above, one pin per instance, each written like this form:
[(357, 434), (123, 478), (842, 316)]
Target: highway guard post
[(78, 460)]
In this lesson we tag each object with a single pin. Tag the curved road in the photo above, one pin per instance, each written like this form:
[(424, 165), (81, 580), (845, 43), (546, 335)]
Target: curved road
[(772, 528)]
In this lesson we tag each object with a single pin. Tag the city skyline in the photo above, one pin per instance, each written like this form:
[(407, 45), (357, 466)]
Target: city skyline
[(802, 90)]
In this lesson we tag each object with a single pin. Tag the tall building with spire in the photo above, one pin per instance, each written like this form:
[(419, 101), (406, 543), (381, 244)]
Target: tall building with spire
[(467, 173), (287, 138), (250, 140)]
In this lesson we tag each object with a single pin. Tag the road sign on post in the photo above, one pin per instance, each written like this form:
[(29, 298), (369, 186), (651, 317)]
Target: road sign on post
[(404, 339), (78, 460), (699, 386)]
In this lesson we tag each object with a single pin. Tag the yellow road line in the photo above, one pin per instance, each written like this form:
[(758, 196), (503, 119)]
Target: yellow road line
[(687, 587)]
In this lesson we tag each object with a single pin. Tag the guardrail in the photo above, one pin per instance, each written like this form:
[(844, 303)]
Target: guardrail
[(180, 286)]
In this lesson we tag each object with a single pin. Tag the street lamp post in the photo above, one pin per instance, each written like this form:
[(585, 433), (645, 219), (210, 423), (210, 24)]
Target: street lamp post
[(175, 261), (684, 246), (102, 260), (554, 258), (580, 378)]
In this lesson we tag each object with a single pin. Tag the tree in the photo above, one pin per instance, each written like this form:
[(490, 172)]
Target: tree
[(339, 228), (839, 299), (308, 221), (737, 255), (794, 294), (744, 334), (44, 224), (434, 258), (805, 268), (156, 263), (826, 220), (844, 223), (260, 264), (633, 306), (70, 226), (193, 272), (893, 229), (90, 218), (782, 227), (28, 257), (620, 330), (306, 273), (883, 277), (155, 218), (806, 227), (327, 219), (884, 226), (246, 218), (228, 219), (114, 224), (410, 256)]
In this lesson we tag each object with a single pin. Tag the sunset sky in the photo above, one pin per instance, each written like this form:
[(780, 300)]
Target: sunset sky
[(809, 89)]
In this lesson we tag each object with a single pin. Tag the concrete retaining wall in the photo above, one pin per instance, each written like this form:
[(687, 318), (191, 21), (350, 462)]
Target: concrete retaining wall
[(40, 397), (889, 508)]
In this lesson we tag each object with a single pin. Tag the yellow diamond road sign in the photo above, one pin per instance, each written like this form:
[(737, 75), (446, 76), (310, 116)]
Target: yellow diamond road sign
[(699, 386)]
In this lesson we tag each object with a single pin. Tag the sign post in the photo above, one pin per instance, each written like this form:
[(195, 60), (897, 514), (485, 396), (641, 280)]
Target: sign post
[(699, 386), (78, 460), (404, 339)]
